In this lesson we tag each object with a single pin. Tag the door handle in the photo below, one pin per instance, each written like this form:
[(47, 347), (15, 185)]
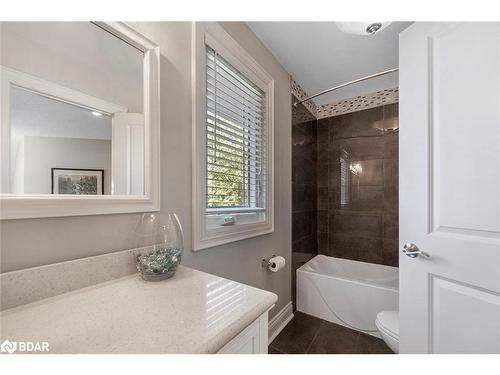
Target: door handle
[(412, 250)]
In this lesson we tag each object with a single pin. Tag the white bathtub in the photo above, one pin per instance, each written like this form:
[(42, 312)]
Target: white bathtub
[(347, 292)]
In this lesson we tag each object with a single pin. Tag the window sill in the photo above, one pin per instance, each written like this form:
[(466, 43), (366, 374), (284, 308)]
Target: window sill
[(221, 235)]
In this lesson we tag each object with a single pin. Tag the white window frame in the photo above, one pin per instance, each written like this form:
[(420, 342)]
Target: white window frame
[(22, 206), (213, 234)]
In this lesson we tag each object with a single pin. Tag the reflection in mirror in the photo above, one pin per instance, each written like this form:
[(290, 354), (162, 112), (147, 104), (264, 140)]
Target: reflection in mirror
[(52, 140), (72, 110)]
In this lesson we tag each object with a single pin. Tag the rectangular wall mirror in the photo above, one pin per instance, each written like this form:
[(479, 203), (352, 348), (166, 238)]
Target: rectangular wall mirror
[(79, 119)]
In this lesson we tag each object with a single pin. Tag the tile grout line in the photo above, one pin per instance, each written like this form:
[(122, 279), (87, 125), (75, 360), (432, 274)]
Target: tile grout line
[(314, 338)]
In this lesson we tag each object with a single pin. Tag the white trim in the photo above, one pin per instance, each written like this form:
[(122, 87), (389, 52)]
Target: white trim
[(43, 205), (280, 320), (219, 39)]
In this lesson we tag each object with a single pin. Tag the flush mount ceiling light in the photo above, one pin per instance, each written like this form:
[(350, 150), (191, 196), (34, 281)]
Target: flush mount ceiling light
[(362, 28), (97, 114)]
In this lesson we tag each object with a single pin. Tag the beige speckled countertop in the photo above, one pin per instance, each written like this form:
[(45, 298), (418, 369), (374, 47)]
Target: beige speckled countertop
[(193, 312)]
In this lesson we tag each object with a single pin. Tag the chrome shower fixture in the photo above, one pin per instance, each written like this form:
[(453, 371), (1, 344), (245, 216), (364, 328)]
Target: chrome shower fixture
[(373, 28), (362, 28)]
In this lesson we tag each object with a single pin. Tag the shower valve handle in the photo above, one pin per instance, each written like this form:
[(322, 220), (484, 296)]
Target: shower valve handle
[(412, 250)]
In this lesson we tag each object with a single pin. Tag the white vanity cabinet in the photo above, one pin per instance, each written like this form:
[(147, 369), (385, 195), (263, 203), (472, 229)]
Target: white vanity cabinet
[(252, 340)]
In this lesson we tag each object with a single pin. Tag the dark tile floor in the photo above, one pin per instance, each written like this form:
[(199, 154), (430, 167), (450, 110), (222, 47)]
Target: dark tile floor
[(307, 334)]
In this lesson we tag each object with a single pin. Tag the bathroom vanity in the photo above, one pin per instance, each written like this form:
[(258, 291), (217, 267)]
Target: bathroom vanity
[(193, 312)]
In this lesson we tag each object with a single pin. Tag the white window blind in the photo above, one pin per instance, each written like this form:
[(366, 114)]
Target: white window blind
[(235, 139)]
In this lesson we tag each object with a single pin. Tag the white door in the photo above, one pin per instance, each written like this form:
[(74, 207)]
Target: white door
[(450, 187), (128, 154)]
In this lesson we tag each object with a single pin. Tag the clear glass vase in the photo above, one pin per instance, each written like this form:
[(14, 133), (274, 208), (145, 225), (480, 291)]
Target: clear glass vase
[(161, 263)]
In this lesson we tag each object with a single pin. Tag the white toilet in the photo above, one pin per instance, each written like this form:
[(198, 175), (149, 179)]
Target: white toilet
[(387, 323)]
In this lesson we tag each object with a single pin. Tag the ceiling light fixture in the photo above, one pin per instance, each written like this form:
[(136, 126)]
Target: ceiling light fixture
[(97, 114), (362, 28)]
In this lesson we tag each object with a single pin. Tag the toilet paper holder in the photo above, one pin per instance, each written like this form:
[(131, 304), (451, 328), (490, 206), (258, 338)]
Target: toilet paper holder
[(266, 261)]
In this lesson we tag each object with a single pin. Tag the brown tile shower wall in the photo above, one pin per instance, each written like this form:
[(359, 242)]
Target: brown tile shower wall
[(357, 186), (304, 188)]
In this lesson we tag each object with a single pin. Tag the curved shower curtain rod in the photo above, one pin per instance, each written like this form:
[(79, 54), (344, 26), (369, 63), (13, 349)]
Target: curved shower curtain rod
[(346, 84)]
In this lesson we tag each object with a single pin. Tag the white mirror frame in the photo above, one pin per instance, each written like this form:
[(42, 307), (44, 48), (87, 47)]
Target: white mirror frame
[(13, 206)]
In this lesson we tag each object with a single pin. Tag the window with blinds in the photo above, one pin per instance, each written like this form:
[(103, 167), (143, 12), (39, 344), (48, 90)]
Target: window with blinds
[(235, 139)]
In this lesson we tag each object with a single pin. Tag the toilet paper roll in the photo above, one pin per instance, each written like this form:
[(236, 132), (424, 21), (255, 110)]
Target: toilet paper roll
[(276, 263)]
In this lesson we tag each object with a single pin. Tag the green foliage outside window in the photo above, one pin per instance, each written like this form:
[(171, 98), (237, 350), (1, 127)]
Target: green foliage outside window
[(226, 175)]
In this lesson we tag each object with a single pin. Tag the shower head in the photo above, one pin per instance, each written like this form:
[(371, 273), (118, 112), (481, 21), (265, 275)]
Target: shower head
[(373, 27)]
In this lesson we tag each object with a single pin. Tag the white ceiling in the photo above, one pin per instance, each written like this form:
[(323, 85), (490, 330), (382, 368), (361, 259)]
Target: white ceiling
[(36, 115), (319, 56)]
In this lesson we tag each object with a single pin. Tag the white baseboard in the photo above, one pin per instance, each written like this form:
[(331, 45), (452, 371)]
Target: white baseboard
[(280, 320)]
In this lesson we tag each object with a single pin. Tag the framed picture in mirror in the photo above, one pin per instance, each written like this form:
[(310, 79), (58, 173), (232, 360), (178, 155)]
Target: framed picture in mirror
[(77, 181)]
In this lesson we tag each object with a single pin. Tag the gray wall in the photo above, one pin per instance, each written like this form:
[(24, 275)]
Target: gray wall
[(41, 154), (32, 242)]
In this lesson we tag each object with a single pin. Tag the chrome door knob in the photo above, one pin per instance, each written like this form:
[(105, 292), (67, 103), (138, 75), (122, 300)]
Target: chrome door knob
[(412, 250)]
